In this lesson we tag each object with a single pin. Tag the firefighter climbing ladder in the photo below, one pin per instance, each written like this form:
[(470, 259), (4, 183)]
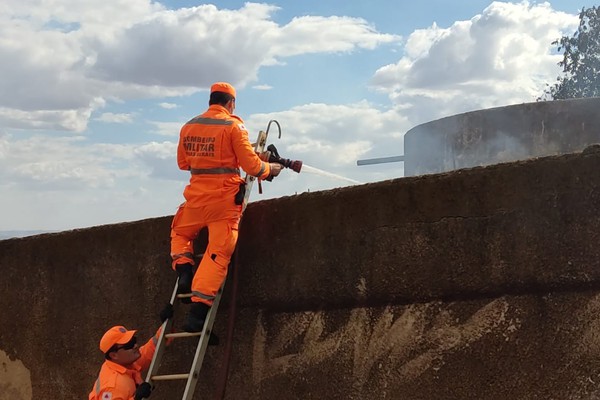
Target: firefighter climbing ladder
[(192, 376)]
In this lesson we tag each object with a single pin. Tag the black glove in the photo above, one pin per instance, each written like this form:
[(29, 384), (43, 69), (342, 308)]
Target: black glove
[(166, 313), (143, 391)]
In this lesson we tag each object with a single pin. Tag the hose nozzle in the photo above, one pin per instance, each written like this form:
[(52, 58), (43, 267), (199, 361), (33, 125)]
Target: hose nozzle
[(294, 165)]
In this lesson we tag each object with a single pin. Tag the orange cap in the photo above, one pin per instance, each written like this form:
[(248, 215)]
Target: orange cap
[(222, 87), (115, 335)]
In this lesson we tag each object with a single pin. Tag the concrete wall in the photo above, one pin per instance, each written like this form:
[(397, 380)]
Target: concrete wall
[(477, 284), (502, 134)]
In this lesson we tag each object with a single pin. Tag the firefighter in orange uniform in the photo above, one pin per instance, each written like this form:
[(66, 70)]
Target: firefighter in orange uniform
[(120, 377), (212, 146)]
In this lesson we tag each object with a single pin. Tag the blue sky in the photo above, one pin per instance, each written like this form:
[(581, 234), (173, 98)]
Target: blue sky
[(94, 93)]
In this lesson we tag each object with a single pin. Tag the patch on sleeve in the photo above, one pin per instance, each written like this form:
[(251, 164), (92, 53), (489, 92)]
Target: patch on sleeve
[(242, 127), (107, 396)]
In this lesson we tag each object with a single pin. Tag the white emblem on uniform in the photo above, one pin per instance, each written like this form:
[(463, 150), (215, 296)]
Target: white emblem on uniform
[(107, 396), (242, 127)]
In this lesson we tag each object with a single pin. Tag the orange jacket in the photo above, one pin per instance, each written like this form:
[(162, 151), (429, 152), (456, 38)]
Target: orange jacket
[(115, 382), (213, 146)]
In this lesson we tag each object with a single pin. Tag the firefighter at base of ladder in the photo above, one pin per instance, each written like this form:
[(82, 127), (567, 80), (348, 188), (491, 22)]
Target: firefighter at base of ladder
[(120, 377), (212, 146)]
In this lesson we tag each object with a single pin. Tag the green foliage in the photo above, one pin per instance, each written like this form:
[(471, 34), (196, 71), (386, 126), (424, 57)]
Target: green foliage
[(581, 60)]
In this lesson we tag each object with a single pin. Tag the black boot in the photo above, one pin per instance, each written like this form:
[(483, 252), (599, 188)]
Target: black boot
[(196, 317), (186, 274)]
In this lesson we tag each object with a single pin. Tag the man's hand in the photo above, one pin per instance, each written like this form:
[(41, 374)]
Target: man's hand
[(143, 391), (166, 313), (275, 168)]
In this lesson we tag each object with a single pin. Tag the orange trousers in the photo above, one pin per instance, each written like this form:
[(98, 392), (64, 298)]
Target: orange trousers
[(222, 221)]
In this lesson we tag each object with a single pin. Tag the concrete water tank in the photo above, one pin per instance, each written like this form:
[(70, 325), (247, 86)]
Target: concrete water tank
[(502, 134)]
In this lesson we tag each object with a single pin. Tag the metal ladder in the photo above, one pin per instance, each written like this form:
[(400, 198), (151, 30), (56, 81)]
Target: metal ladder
[(192, 376)]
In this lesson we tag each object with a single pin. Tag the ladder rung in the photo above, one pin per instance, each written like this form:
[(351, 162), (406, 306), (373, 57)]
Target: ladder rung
[(182, 334), (171, 377), (188, 295)]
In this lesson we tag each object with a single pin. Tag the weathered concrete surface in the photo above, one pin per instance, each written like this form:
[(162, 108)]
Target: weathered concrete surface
[(502, 134), (480, 283)]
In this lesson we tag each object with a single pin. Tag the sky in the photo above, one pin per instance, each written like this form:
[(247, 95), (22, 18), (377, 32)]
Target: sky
[(93, 93)]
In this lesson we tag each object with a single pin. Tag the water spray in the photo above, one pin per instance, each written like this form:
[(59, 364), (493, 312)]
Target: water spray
[(317, 171)]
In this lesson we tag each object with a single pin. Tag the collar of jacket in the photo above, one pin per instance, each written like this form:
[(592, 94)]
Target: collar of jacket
[(218, 108), (121, 369)]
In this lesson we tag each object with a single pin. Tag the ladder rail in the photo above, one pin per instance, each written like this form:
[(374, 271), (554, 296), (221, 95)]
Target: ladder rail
[(190, 386), (160, 345)]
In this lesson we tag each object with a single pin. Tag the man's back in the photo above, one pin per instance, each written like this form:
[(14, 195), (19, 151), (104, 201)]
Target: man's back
[(213, 146)]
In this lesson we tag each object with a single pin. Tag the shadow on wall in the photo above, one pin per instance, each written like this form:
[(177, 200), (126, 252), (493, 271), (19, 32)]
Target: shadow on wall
[(502, 134)]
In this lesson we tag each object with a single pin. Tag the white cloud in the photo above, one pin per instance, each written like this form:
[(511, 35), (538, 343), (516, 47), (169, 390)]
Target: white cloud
[(116, 118), (67, 182), (335, 136), (44, 163), (166, 128), (167, 106), (503, 56), (262, 87), (103, 16), (314, 34), (61, 60), (74, 120), (160, 160)]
